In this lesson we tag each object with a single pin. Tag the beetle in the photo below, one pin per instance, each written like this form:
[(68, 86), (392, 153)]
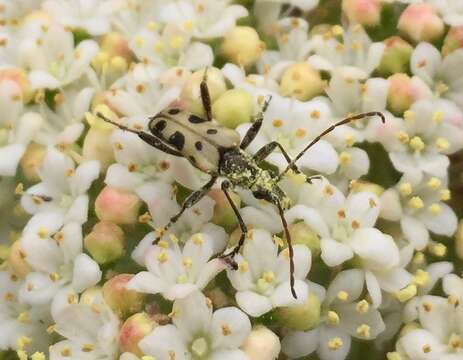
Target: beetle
[(219, 152)]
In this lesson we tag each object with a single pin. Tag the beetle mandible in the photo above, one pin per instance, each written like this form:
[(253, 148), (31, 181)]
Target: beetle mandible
[(219, 152)]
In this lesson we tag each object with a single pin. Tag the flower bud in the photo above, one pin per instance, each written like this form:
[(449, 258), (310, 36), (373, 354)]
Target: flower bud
[(223, 212), (17, 260), (402, 93), (301, 81), (300, 317), (234, 107), (396, 56), (261, 344), (135, 328), (302, 234), (91, 294), (19, 77), (115, 44), (121, 300), (191, 93), (459, 240), (360, 186), (218, 298), (105, 242), (32, 160), (453, 40), (420, 22), (242, 46), (118, 206), (363, 12)]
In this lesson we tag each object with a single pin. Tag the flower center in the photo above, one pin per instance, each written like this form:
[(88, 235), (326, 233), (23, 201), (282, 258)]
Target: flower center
[(199, 348)]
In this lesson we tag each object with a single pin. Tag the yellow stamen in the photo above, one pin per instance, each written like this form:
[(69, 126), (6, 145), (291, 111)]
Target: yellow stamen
[(416, 203), (417, 144), (332, 318), (406, 293), (335, 343)]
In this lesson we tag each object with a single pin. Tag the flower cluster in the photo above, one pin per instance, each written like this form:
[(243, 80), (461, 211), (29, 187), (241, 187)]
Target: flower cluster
[(89, 269)]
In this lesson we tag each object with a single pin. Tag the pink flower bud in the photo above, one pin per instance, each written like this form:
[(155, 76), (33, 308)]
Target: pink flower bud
[(105, 242), (396, 56), (121, 300), (403, 92), (223, 212), (364, 12), (118, 206), (453, 40), (133, 330), (115, 44), (32, 160), (17, 260), (19, 77), (420, 22)]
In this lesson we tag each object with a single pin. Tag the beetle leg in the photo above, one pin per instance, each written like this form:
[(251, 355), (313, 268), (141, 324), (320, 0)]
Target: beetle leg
[(206, 97), (229, 257), (256, 125), (290, 248), (146, 137), (191, 200)]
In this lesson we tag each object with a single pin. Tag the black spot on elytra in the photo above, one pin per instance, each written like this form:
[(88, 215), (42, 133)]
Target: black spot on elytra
[(158, 126), (173, 111), (198, 145), (177, 140), (211, 131), (196, 119)]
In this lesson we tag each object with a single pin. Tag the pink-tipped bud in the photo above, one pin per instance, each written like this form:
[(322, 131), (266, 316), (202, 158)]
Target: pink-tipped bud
[(262, 344), (403, 92), (420, 22), (396, 56), (135, 328), (118, 206), (19, 77), (116, 44), (105, 242), (363, 12), (453, 40), (32, 160), (122, 301), (223, 212), (17, 260)]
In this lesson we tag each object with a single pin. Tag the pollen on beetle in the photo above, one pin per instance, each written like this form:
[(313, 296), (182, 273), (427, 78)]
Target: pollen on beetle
[(335, 343)]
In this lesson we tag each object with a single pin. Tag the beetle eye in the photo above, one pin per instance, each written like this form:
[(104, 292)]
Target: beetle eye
[(259, 194)]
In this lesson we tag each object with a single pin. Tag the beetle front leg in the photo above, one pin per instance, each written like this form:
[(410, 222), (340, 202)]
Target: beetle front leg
[(191, 200), (229, 257), (256, 125)]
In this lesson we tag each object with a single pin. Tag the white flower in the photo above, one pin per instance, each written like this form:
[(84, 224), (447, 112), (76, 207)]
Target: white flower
[(346, 228), (89, 15), (22, 327), (262, 278), (356, 50), (420, 209), (205, 19), (451, 11), (52, 58), (59, 266), (63, 188), (199, 333), (175, 272), (441, 75), (345, 315), (90, 329)]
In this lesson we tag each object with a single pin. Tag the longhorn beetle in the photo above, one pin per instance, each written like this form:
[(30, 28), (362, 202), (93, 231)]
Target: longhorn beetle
[(218, 151)]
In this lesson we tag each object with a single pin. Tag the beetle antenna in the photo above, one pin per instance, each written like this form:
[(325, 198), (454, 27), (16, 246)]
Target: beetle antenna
[(327, 131), (122, 127), (290, 248)]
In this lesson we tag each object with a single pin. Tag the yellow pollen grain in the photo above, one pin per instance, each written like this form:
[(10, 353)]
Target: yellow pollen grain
[(277, 123), (54, 277), (22, 355), (71, 299), (335, 343), (163, 244), (409, 116), (403, 137), (42, 232), (426, 348), (441, 88), (140, 88), (187, 262), (421, 277), (405, 189), (162, 257), (147, 357), (455, 342), (66, 352), (342, 295), (315, 114), (349, 139), (416, 203), (51, 329), (132, 167), (342, 214), (356, 46), (9, 296), (355, 224), (23, 341), (300, 133), (332, 318), (268, 276), (118, 146), (285, 254), (442, 144), (363, 331), (452, 300), (344, 158), (328, 190), (69, 172), (87, 348), (435, 209), (19, 190), (29, 287), (406, 293), (173, 239), (416, 143), (445, 195), (23, 317), (438, 117), (198, 239), (278, 240), (438, 250), (243, 266), (362, 306), (95, 308), (434, 183), (176, 42), (226, 330)]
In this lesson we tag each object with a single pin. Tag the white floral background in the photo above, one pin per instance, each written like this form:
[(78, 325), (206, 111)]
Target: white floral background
[(378, 245)]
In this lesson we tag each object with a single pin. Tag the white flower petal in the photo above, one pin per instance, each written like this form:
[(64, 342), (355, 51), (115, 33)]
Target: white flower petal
[(373, 288), (443, 223), (252, 303), (415, 232), (310, 216), (86, 273), (349, 281), (146, 282), (9, 158), (162, 341), (297, 344), (334, 253), (234, 320), (282, 296), (325, 352)]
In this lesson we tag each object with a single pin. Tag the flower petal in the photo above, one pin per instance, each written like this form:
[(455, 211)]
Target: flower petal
[(252, 303), (229, 328)]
